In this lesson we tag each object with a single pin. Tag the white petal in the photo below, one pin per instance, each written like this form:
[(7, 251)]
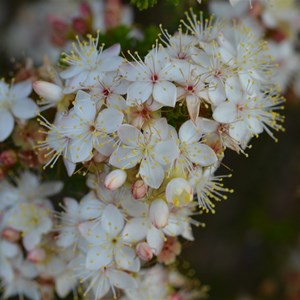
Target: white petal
[(112, 51), (133, 72), (135, 230), (22, 89), (226, 112), (50, 188), (152, 173), (165, 93), (156, 128), (31, 240), (90, 208), (24, 108), (70, 167), (155, 238), (121, 279), (92, 232), (112, 220), (127, 259), (233, 89), (9, 249), (70, 72), (98, 257), (190, 132), (130, 135), (7, 123), (201, 154), (156, 59), (81, 148), (166, 152), (216, 92), (193, 105), (104, 144), (109, 120), (125, 158), (255, 125), (139, 92), (84, 106)]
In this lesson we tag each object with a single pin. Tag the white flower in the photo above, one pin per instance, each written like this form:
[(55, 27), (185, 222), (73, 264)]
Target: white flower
[(248, 111), (204, 30), (69, 221), (88, 64), (89, 129), (151, 78), (151, 149), (178, 46), (23, 283), (109, 90), (152, 283), (32, 220), (208, 187), (220, 136), (214, 73), (101, 281), (15, 102), (8, 251), (191, 88), (192, 151), (106, 244), (242, 49)]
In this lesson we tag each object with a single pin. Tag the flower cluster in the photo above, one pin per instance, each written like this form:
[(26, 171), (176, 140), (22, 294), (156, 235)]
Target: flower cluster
[(150, 134), (30, 263), (278, 22)]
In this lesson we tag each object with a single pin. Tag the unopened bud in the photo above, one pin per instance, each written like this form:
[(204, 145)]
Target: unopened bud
[(11, 235), (139, 189), (144, 251), (36, 255), (85, 10), (79, 25), (159, 213), (176, 296), (179, 192), (8, 158), (115, 179), (50, 91)]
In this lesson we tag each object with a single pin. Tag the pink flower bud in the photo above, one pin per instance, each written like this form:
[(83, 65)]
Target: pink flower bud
[(48, 90), (144, 251), (79, 25), (36, 255), (85, 10), (179, 192), (8, 158), (2, 174), (139, 189), (176, 297), (115, 179), (11, 235), (159, 213)]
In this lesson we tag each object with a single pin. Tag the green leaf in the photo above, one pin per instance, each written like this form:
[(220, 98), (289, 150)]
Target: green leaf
[(144, 4)]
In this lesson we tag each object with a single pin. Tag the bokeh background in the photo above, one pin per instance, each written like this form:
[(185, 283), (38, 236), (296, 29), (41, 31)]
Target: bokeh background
[(250, 249)]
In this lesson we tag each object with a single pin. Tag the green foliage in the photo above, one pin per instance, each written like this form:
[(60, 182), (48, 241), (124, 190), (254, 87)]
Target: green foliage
[(144, 4)]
